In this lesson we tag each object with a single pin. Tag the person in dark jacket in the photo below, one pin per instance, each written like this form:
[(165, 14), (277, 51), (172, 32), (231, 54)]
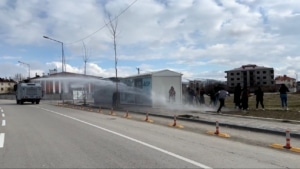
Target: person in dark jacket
[(202, 99), (244, 98), (259, 97), (222, 94), (237, 95), (283, 96)]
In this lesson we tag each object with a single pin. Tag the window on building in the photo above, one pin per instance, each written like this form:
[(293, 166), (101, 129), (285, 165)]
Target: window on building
[(272, 82), (264, 82), (264, 77), (238, 73), (231, 74), (271, 71), (232, 84), (258, 72), (232, 79), (258, 83), (264, 72), (238, 79), (257, 77), (1, 89)]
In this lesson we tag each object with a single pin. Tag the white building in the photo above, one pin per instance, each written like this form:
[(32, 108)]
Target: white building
[(154, 87), (6, 85)]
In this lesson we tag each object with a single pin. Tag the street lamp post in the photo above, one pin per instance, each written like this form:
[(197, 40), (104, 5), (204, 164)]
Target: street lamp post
[(63, 67), (28, 68)]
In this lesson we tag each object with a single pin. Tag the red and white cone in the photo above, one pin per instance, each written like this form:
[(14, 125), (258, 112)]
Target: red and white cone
[(288, 139), (174, 124), (146, 117), (217, 128)]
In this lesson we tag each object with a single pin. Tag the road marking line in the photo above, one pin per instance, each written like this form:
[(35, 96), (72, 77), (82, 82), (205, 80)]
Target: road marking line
[(134, 140), (3, 115), (3, 123), (2, 140), (1, 110)]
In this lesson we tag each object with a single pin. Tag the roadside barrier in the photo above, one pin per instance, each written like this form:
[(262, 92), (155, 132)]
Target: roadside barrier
[(112, 112), (127, 115), (217, 128), (287, 145), (175, 124), (147, 118), (288, 139), (217, 132)]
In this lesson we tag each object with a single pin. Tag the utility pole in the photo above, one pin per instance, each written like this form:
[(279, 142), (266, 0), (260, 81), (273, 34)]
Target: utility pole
[(28, 68)]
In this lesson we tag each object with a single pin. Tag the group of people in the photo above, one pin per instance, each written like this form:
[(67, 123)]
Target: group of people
[(241, 97), (198, 96)]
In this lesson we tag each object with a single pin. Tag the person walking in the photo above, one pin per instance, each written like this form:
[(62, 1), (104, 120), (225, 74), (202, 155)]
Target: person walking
[(202, 99), (237, 96), (222, 94), (191, 95), (172, 94), (259, 97), (283, 96)]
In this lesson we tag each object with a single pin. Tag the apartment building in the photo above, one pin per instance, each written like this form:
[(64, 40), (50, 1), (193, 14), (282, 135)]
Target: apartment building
[(6, 85), (251, 76)]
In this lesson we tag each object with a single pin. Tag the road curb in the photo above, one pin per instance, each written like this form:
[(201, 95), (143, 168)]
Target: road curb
[(205, 121)]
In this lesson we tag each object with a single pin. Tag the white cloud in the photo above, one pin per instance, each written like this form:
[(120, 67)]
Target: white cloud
[(198, 38)]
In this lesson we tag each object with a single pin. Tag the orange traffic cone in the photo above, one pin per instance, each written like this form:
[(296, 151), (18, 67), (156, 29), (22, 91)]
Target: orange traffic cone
[(146, 117), (288, 139), (217, 128), (174, 124)]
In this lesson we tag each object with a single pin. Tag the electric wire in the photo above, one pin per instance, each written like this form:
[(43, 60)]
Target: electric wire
[(88, 36)]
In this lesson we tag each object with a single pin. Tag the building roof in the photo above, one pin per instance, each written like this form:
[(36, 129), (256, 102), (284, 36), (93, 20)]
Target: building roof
[(7, 80), (284, 78), (67, 74), (165, 72), (249, 67)]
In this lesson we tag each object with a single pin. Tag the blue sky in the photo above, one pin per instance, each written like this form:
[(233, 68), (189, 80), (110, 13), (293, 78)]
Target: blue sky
[(198, 38)]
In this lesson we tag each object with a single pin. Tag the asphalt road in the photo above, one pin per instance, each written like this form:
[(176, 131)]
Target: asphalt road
[(47, 136)]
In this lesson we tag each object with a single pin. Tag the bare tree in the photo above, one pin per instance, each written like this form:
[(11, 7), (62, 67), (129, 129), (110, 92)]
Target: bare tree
[(18, 77), (112, 26)]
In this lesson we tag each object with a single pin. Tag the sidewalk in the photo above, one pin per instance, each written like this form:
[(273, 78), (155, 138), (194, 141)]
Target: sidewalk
[(209, 116)]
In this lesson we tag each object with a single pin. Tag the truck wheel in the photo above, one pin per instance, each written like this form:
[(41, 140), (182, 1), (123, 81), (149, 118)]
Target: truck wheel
[(21, 102), (37, 102), (18, 102), (32, 102)]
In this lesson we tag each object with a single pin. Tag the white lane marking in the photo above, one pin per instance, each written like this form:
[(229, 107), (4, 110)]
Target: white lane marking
[(134, 140), (3, 123), (3, 115), (1, 110), (2, 140)]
